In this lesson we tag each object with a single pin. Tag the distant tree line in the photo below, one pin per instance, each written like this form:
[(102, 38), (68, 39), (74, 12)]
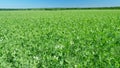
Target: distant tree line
[(2, 9)]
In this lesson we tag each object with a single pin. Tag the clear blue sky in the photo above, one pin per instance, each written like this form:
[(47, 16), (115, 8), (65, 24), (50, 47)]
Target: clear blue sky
[(57, 3)]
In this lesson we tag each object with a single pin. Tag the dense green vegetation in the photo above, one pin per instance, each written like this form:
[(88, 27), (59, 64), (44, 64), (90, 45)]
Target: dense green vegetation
[(60, 39)]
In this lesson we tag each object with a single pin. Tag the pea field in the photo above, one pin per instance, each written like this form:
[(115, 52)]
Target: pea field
[(60, 39)]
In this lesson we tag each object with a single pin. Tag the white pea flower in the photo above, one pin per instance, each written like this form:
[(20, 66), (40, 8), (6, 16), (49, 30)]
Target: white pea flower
[(59, 46), (36, 58)]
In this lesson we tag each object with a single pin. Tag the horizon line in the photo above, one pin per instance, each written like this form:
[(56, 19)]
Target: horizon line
[(61, 7)]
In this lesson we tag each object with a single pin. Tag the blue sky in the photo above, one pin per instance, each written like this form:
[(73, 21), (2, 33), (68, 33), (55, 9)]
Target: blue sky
[(57, 3)]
